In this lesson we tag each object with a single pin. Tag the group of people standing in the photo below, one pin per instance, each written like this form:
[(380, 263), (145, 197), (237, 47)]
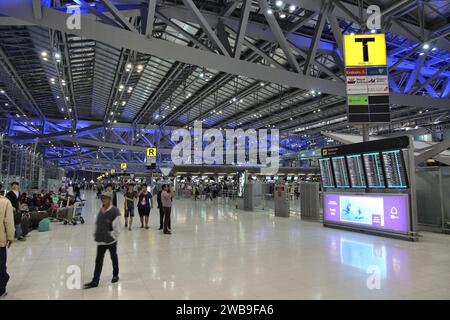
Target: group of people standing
[(145, 204)]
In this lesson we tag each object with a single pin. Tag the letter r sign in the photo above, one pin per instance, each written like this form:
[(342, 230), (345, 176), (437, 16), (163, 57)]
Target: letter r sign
[(151, 152)]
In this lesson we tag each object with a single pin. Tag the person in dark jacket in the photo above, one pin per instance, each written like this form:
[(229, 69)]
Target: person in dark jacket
[(145, 203), (77, 191), (110, 188), (107, 230), (13, 196), (160, 207)]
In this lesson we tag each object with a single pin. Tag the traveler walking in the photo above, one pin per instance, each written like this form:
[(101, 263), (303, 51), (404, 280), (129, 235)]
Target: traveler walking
[(107, 231)]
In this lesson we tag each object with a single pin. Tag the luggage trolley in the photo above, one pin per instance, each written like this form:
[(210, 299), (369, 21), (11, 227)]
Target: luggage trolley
[(77, 213)]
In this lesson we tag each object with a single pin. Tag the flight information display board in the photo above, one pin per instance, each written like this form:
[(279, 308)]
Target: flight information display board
[(326, 172), (372, 164), (356, 170), (395, 170), (340, 172), (374, 170)]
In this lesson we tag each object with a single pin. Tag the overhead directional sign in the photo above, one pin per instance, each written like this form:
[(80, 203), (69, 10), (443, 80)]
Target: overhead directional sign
[(123, 166), (365, 50), (151, 152), (357, 100), (151, 156), (366, 78), (113, 171)]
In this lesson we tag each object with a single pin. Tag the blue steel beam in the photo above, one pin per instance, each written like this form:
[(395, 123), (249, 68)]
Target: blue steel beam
[(55, 136), (408, 65), (184, 54), (428, 87), (119, 138), (446, 90), (415, 73), (393, 85)]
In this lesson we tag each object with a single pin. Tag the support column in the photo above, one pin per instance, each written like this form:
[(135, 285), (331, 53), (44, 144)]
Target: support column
[(365, 132)]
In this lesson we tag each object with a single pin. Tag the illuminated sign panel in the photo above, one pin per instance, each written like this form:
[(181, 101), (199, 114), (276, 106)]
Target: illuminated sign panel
[(365, 50), (371, 211)]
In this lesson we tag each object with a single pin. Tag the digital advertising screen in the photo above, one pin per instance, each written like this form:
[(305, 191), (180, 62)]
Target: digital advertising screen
[(371, 211), (326, 172), (340, 172), (374, 170), (356, 171), (394, 169)]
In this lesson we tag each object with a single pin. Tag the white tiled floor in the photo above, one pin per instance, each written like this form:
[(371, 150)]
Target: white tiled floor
[(217, 252)]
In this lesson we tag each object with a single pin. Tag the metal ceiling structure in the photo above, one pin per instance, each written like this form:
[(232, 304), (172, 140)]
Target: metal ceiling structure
[(97, 94)]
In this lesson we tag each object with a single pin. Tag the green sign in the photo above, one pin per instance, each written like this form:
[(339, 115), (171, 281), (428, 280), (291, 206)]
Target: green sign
[(358, 100)]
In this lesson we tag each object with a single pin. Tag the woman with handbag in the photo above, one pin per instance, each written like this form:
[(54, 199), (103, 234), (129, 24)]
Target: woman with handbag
[(145, 203)]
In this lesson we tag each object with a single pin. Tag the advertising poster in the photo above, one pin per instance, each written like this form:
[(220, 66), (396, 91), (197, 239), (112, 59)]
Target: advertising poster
[(356, 85), (383, 212)]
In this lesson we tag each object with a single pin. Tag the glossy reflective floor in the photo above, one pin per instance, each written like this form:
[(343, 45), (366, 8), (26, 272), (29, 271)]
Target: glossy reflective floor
[(217, 252)]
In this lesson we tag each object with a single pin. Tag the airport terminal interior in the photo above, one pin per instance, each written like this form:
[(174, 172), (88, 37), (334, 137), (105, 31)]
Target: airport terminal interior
[(224, 149)]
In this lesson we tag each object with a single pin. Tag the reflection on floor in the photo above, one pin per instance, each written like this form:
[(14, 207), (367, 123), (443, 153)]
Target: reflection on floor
[(218, 252)]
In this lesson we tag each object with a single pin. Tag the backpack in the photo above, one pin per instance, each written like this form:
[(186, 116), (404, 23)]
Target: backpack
[(44, 225)]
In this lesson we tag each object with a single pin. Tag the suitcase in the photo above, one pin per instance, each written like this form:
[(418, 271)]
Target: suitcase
[(36, 217), (25, 223)]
